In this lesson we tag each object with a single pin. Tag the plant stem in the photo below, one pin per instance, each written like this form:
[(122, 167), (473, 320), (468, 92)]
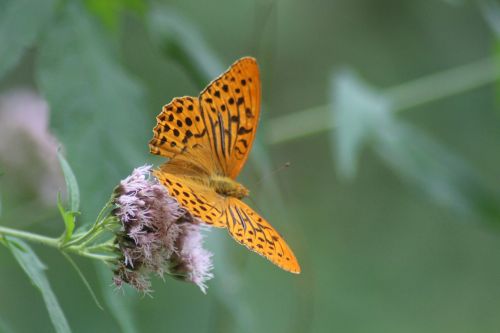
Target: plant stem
[(87, 237), (102, 257), (404, 96), (299, 124), (55, 243), (443, 84), (91, 234), (49, 241)]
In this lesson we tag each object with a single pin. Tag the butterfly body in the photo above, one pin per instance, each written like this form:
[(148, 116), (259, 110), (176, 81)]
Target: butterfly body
[(208, 139), (227, 187)]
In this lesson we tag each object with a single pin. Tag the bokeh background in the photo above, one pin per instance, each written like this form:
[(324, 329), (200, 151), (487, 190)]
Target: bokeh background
[(387, 112)]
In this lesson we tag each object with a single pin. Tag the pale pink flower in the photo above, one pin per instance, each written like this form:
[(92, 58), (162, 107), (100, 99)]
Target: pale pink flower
[(157, 235), (28, 151), (192, 262)]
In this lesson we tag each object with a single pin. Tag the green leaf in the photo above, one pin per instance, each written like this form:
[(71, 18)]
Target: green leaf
[(71, 184), (437, 171), (491, 12), (84, 279), (1, 204), (97, 108), (34, 268), (364, 117), (21, 21), (358, 112), (110, 11), (68, 218), (179, 39)]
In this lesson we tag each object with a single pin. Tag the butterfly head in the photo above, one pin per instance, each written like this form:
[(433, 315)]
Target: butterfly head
[(227, 187)]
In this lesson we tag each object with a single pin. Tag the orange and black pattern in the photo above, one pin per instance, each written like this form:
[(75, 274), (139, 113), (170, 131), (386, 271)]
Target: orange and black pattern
[(211, 136)]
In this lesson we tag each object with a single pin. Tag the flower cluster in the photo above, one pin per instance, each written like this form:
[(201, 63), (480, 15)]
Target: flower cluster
[(157, 235)]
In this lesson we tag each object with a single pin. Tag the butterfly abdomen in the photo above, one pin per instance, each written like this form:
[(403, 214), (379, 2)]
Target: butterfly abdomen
[(227, 187)]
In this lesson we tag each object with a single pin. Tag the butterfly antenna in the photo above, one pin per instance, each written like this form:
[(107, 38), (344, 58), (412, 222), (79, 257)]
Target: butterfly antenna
[(284, 166), (272, 173), (250, 198)]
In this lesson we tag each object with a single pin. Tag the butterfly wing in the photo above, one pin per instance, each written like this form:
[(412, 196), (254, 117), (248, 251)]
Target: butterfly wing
[(219, 125), (230, 109), (212, 135), (243, 223), (250, 229), (200, 200), (179, 129)]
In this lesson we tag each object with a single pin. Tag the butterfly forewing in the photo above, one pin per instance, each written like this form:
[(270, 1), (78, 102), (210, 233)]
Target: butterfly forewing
[(230, 108), (179, 128)]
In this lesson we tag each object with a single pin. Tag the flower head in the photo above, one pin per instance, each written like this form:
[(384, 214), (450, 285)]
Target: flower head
[(157, 235), (192, 263)]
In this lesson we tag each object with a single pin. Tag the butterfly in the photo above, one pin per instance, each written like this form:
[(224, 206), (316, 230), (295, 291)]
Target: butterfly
[(207, 140)]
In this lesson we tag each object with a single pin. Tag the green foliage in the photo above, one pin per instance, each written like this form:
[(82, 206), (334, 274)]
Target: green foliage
[(179, 40), (73, 192), (21, 21), (72, 189), (365, 116), (388, 263), (93, 101), (69, 218), (359, 113), (84, 280), (491, 13), (111, 11), (34, 268)]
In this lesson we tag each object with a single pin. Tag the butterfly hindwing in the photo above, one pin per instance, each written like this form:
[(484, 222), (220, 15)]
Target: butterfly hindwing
[(245, 225), (201, 201), (230, 108), (250, 229)]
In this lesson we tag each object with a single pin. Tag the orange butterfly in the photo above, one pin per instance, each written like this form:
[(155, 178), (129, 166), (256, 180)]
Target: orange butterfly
[(208, 140)]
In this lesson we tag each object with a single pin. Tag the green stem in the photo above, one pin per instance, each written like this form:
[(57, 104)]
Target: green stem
[(49, 241), (106, 246), (404, 96), (55, 243), (78, 238), (89, 237), (95, 231), (102, 257), (107, 206), (299, 124), (443, 84)]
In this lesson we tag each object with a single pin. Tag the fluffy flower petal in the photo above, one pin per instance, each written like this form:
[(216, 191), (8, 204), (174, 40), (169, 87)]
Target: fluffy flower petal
[(157, 235)]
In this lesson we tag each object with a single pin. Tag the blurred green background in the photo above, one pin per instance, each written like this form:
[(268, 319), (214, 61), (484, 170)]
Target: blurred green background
[(393, 216)]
